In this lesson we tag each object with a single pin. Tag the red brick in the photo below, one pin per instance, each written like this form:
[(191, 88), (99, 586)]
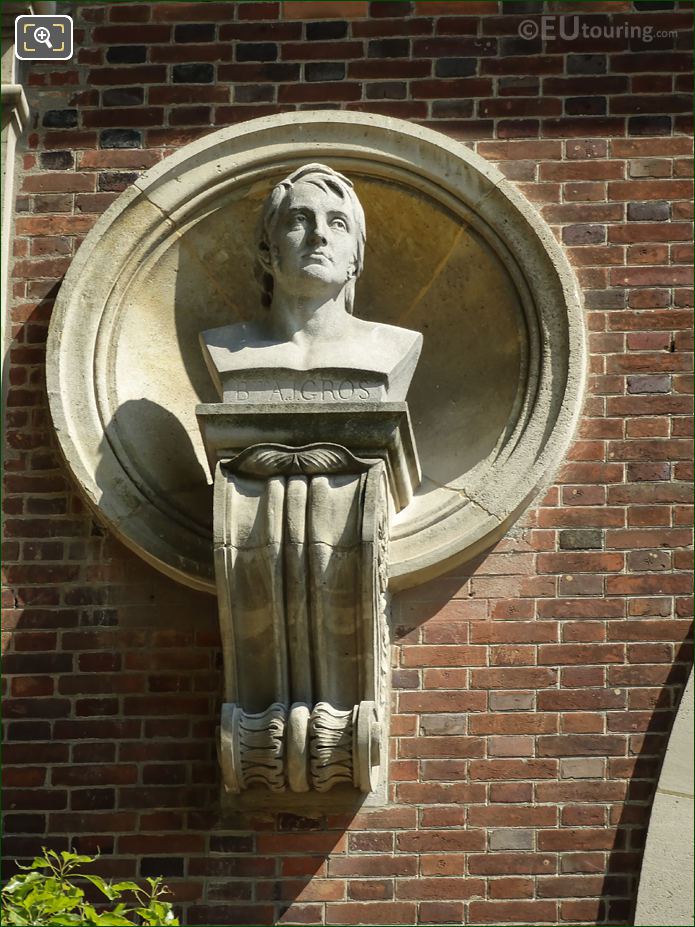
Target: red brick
[(95, 775), (515, 723), (577, 839), (439, 888), (511, 888), (193, 12), (502, 912), (443, 656), (371, 913), (441, 746), (129, 13), (58, 182), (442, 701), (130, 76), (428, 841), (507, 816), (453, 7), (131, 116), (512, 769), (370, 890), (512, 678)]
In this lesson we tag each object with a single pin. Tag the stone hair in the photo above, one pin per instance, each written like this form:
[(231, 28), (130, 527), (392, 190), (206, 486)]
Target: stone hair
[(328, 180)]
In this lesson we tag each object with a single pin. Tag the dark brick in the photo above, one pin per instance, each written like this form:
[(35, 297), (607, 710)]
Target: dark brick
[(193, 73), (386, 90), (232, 844), (380, 9), (332, 29), (60, 119), (583, 235), (27, 730), (649, 383), (516, 45), (116, 181), (129, 13), (35, 664), (126, 54), (586, 64), (649, 125), (455, 67), (581, 539), (654, 211), (256, 51), (194, 32), (388, 48), (452, 109), (324, 70), (120, 138), (24, 823), (57, 160), (161, 866), (518, 86), (285, 72), (190, 116), (511, 6), (586, 106), (659, 5), (92, 799), (254, 93), (258, 11), (123, 96)]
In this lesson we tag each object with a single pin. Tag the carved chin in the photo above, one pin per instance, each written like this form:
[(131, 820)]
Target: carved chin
[(319, 274)]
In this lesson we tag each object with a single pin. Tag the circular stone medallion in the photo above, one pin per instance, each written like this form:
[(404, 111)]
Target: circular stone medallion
[(453, 250)]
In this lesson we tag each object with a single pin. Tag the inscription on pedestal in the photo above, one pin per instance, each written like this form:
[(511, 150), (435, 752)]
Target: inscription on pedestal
[(303, 387)]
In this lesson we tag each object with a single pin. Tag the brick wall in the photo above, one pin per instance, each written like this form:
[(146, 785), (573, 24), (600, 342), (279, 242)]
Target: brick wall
[(535, 687)]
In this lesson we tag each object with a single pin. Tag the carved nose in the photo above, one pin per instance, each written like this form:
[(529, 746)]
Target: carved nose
[(318, 235)]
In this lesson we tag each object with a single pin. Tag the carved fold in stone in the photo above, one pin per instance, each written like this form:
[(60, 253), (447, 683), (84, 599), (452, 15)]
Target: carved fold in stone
[(261, 739), (301, 541), (330, 746), (270, 459)]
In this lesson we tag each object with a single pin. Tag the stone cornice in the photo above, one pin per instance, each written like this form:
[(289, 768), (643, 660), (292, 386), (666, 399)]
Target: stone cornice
[(14, 98)]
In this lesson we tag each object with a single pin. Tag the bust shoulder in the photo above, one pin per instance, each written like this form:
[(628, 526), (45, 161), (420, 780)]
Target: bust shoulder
[(372, 347), (234, 337)]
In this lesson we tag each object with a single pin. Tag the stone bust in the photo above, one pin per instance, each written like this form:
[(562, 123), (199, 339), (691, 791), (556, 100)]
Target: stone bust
[(309, 346)]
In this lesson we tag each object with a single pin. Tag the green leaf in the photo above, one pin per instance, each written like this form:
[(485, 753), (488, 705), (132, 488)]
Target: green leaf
[(113, 920), (15, 918), (60, 920), (126, 887), (104, 887), (38, 863), (22, 882), (75, 859)]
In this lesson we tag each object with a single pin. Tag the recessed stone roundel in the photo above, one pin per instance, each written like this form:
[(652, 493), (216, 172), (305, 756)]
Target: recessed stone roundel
[(453, 250)]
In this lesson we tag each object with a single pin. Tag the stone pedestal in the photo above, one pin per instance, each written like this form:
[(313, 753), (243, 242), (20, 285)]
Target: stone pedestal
[(302, 505)]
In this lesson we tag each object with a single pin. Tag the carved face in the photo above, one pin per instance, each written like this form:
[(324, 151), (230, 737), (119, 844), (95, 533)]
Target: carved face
[(314, 241)]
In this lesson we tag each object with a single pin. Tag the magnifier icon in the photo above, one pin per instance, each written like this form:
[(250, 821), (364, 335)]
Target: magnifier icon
[(41, 34)]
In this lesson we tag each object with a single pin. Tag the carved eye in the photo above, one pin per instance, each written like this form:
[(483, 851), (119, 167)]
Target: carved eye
[(339, 223)]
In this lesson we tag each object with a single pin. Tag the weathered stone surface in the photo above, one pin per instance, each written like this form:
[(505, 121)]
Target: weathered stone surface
[(666, 887)]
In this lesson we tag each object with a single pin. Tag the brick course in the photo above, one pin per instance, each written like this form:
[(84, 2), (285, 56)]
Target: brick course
[(534, 688)]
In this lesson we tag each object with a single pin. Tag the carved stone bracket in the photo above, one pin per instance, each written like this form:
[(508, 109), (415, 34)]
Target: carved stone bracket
[(301, 558)]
